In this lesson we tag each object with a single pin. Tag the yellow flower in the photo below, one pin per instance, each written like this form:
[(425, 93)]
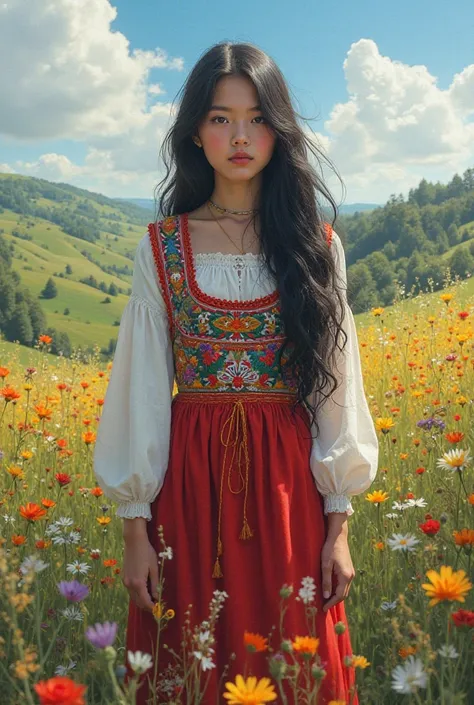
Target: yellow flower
[(446, 585), (379, 545), (170, 614), (359, 662), (377, 497), (446, 298), (377, 311), (384, 424), (157, 610), (103, 521), (15, 471), (250, 691), (305, 645), (26, 454), (462, 338), (337, 702)]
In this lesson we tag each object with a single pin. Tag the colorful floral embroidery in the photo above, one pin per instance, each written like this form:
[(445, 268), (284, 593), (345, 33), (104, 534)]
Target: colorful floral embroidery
[(219, 345)]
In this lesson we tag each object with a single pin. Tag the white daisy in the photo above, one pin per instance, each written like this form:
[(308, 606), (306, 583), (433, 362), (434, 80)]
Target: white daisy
[(448, 651), (409, 677), (33, 563), (64, 522), (392, 515), (400, 542), (455, 459), (139, 661), (9, 518), (388, 605), (399, 506), (64, 670), (73, 614), (78, 567), (52, 529), (416, 502)]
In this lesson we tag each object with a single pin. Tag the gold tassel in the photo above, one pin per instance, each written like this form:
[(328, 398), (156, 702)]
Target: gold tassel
[(246, 532), (217, 572)]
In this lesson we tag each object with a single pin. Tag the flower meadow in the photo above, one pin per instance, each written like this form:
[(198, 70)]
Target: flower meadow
[(63, 606)]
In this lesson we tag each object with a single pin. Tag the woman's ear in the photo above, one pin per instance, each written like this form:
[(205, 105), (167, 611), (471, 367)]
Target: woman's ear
[(197, 141)]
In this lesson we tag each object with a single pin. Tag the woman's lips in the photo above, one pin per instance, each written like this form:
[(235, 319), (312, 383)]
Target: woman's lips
[(241, 160)]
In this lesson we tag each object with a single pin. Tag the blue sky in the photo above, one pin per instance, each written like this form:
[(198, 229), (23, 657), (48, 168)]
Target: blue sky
[(80, 105)]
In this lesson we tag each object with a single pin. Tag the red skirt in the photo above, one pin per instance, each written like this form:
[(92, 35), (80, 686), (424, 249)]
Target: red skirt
[(249, 477)]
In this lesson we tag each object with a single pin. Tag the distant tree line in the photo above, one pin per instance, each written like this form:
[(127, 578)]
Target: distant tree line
[(401, 244)]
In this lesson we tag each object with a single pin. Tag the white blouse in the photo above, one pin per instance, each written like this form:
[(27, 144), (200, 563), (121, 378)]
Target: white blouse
[(133, 439)]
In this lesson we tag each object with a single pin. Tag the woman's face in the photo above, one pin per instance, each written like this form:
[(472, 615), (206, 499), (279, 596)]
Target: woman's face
[(235, 123)]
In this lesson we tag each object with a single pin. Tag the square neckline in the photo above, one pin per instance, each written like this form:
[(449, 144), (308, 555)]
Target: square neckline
[(201, 296)]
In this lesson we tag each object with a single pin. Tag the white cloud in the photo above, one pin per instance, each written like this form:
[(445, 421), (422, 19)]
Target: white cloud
[(71, 76), (398, 125)]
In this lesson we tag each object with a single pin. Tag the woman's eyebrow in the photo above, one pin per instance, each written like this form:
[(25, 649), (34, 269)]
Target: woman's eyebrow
[(229, 110)]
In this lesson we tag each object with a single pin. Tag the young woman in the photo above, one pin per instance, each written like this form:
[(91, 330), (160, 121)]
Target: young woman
[(239, 293)]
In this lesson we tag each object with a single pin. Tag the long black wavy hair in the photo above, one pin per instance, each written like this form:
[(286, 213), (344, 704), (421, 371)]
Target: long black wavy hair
[(292, 232)]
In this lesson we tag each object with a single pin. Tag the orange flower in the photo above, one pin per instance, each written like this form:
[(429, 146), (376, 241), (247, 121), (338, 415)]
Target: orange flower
[(61, 443), (88, 437), (43, 412), (454, 436), (46, 339), (41, 545), (103, 521), (60, 690), (110, 562), (32, 512), (255, 642), (305, 645), (15, 471), (9, 394), (100, 402), (4, 372), (470, 499), (63, 478), (97, 492), (465, 537), (61, 386), (18, 539), (48, 503), (84, 384)]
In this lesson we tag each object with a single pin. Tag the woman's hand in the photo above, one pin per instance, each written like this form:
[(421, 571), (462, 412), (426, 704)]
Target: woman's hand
[(335, 555), (140, 562)]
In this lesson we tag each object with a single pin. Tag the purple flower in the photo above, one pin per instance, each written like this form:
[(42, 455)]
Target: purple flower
[(102, 635), (73, 591), (428, 424)]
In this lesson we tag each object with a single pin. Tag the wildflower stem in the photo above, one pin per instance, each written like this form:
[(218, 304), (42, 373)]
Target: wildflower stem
[(38, 621), (117, 689), (50, 648)]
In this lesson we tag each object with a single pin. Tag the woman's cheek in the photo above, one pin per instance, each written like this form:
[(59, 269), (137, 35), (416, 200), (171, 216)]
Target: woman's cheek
[(264, 144)]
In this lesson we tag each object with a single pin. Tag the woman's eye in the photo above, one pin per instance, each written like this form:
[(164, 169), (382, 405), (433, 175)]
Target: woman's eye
[(221, 117)]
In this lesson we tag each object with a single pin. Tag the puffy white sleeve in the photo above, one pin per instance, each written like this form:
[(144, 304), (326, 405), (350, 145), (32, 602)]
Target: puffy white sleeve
[(344, 458), (133, 438)]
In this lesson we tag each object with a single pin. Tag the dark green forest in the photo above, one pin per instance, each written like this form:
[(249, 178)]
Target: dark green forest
[(403, 242)]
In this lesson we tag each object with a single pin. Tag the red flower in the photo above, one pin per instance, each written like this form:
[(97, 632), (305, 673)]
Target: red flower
[(60, 690), (463, 618), (63, 478), (420, 471), (430, 527)]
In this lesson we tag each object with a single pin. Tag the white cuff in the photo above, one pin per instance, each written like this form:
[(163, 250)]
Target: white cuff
[(338, 503), (131, 510)]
